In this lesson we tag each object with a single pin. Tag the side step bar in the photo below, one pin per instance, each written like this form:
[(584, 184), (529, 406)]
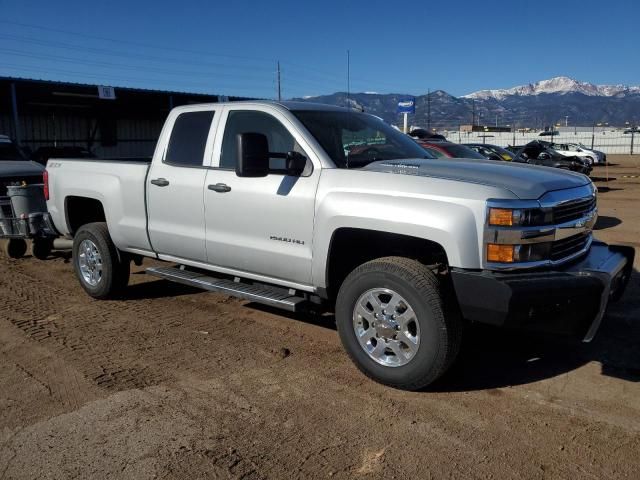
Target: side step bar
[(275, 297)]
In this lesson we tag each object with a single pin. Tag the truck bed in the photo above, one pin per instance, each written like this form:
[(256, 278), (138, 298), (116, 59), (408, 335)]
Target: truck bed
[(118, 186)]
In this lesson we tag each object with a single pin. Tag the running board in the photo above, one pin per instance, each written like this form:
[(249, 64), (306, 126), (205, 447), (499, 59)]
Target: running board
[(275, 297)]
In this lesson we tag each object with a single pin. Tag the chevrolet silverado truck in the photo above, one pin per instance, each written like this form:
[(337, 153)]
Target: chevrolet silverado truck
[(269, 202)]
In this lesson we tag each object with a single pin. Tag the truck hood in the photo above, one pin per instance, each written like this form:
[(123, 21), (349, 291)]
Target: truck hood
[(525, 181), (17, 168)]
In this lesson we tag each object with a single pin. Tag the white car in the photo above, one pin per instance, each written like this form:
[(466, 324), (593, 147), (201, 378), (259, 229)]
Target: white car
[(579, 150)]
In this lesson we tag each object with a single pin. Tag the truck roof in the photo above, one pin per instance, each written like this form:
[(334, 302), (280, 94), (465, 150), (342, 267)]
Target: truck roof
[(289, 105)]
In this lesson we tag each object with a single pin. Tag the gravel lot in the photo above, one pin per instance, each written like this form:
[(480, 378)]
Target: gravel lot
[(175, 383)]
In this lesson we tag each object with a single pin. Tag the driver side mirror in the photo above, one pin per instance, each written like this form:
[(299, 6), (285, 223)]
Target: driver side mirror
[(253, 155)]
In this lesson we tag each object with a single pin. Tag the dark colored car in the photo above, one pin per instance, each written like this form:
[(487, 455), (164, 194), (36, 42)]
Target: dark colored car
[(43, 154), (491, 152), (15, 168), (422, 134), (540, 153), (449, 150)]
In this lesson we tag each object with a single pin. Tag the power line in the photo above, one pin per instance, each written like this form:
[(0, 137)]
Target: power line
[(120, 65), (112, 53), (129, 42)]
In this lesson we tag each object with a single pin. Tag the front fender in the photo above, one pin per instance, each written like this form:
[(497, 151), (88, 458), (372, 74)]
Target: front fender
[(454, 226)]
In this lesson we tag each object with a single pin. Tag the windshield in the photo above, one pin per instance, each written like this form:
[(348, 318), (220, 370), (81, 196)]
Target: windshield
[(8, 151), (354, 139)]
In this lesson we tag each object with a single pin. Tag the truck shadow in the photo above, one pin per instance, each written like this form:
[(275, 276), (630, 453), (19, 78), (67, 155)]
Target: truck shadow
[(605, 222), (494, 358), (157, 289)]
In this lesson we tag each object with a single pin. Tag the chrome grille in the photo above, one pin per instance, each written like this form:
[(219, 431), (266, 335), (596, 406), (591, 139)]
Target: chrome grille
[(569, 211), (566, 247)]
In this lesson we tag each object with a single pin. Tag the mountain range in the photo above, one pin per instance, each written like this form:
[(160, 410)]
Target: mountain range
[(560, 100)]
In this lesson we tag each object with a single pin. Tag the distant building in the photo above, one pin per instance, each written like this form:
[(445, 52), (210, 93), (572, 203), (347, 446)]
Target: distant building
[(110, 121), (483, 128)]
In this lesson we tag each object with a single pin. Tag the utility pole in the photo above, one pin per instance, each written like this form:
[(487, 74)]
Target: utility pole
[(473, 112), (429, 110), (279, 89), (593, 134), (348, 76), (566, 120)]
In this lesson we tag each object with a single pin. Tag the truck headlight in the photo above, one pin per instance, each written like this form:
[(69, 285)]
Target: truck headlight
[(510, 217)]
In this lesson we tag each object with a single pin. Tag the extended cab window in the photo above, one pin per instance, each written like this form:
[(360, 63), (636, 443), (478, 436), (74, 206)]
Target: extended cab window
[(247, 121), (189, 139)]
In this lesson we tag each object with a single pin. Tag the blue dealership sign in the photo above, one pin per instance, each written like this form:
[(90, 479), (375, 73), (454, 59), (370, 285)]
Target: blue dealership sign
[(407, 105)]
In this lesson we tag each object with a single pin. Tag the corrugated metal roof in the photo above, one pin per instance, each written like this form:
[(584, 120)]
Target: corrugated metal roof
[(77, 84)]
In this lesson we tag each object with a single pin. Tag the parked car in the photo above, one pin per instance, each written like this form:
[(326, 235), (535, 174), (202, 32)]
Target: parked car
[(422, 134), (43, 154), (260, 200), (579, 150), (549, 133), (449, 150), (491, 152), (541, 153)]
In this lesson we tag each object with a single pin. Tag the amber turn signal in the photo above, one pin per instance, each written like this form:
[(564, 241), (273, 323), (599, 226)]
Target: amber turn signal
[(501, 216), (500, 253)]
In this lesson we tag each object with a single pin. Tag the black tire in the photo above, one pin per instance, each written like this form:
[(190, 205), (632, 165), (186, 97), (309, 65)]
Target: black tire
[(440, 333), (15, 247), (115, 264), (41, 248)]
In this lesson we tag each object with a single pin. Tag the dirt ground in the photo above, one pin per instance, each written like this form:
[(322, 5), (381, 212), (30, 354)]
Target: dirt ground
[(175, 383)]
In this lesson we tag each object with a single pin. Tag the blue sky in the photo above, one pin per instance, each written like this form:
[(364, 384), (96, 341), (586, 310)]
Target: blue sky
[(232, 47)]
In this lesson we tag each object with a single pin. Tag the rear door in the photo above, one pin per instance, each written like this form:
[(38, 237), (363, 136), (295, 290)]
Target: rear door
[(175, 185), (261, 226)]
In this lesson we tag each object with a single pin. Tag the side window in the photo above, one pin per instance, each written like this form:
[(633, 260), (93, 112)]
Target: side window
[(247, 121), (189, 139)]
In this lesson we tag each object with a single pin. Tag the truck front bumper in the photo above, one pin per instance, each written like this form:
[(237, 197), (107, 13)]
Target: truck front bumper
[(570, 300)]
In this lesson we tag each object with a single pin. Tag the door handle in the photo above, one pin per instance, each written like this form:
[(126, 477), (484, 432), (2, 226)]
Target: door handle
[(220, 187), (160, 182)]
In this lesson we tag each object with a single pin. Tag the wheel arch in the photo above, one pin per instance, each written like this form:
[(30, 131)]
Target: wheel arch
[(80, 210), (350, 247)]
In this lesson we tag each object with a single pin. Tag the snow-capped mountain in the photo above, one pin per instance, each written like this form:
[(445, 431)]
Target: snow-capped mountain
[(535, 105), (558, 85)]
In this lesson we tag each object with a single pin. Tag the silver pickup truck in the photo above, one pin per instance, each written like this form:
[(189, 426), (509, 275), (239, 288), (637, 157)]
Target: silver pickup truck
[(304, 206)]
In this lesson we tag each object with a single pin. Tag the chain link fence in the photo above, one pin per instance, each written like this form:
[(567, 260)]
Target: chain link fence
[(609, 141)]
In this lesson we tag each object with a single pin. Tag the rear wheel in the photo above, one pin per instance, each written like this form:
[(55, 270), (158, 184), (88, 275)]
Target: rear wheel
[(391, 320), (102, 270), (15, 247)]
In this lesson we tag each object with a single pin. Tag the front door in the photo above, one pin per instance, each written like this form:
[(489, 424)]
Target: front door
[(262, 226)]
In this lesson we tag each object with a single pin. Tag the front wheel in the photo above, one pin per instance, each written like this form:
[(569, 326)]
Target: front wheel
[(102, 270), (391, 320)]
